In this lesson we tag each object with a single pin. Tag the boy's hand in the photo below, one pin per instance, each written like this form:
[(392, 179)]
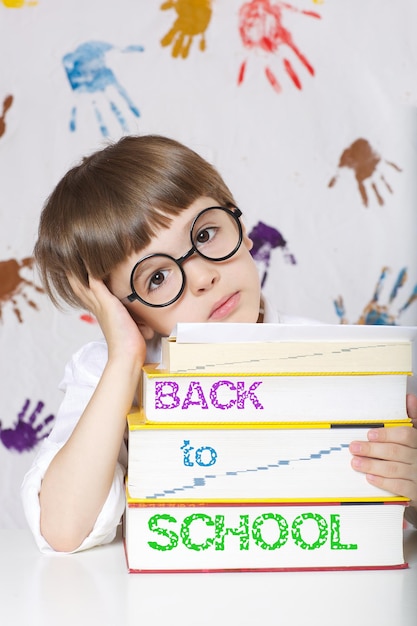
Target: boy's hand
[(120, 330), (389, 457)]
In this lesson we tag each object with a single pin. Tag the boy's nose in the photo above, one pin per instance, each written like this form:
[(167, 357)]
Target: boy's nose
[(201, 274)]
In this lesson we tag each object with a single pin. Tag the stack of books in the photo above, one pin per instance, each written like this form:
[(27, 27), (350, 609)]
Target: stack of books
[(238, 455)]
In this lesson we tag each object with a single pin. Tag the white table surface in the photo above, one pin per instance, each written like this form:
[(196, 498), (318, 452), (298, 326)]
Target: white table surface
[(94, 588)]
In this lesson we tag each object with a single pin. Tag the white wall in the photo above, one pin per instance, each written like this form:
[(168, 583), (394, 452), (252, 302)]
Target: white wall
[(277, 150)]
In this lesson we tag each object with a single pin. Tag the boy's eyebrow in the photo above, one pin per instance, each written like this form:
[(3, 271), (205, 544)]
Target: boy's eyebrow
[(186, 229), (211, 206)]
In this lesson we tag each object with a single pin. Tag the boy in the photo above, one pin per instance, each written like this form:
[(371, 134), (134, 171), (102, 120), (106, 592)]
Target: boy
[(145, 234)]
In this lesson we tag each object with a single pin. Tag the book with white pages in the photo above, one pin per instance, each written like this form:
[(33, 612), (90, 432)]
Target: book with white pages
[(267, 397), (208, 348), (245, 462)]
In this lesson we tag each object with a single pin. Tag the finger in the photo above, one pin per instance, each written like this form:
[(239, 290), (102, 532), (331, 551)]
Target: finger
[(79, 288), (98, 287), (85, 296), (74, 282), (403, 435), (382, 451), (392, 468), (397, 478), (412, 408), (396, 486)]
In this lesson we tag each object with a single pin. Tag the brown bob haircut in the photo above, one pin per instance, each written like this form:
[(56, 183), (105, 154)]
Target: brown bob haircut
[(112, 204)]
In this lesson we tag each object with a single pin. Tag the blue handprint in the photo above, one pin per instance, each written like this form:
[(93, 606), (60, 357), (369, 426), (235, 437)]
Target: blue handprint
[(375, 313), (26, 434), (87, 73)]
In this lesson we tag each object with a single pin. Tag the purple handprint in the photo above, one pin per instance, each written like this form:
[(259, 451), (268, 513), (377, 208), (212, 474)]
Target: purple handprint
[(26, 434), (88, 74), (265, 238)]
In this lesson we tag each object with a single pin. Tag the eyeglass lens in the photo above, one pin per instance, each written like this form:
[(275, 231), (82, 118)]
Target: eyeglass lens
[(159, 279)]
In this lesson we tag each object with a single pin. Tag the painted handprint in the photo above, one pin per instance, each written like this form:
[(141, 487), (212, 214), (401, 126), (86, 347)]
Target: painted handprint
[(265, 238), (366, 165), (88, 318), (88, 73), (261, 26), (14, 287), (28, 431), (193, 20), (375, 313), (18, 4), (7, 103)]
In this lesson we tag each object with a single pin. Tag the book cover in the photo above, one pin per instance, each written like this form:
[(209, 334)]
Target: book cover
[(239, 397), (215, 537), (244, 462)]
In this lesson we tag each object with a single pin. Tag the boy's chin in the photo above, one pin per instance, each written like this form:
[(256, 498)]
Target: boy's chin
[(244, 317)]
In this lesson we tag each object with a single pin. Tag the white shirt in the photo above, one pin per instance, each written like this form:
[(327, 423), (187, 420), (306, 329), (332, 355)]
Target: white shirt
[(81, 378)]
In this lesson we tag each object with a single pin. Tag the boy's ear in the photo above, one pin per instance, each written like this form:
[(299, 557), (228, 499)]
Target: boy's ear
[(247, 241)]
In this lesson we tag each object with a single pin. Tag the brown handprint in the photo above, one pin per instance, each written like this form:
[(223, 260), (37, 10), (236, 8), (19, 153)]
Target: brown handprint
[(365, 163), (7, 103), (14, 286), (193, 19)]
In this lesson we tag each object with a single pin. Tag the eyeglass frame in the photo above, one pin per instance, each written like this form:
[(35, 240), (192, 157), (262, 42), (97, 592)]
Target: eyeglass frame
[(235, 213)]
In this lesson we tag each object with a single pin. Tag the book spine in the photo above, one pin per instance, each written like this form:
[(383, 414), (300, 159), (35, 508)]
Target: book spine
[(257, 463), (271, 537), (342, 398)]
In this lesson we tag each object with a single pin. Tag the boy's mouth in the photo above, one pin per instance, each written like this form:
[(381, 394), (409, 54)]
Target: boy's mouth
[(224, 307)]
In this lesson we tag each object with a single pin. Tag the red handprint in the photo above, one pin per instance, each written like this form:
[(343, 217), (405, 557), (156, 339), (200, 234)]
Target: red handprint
[(261, 27)]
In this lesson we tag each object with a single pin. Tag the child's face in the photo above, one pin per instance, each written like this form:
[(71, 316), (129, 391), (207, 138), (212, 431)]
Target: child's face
[(215, 291)]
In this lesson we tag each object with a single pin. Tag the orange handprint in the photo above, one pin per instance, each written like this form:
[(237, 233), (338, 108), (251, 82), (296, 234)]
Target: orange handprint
[(18, 4), (193, 19)]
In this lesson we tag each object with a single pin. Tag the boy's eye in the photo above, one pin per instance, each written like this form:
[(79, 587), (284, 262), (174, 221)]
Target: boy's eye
[(157, 279), (205, 235)]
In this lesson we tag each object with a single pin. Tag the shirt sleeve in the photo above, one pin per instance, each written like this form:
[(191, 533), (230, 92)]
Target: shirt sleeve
[(81, 377)]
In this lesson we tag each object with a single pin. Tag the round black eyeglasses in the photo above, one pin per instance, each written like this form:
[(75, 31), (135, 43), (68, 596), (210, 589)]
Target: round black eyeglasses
[(158, 280)]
